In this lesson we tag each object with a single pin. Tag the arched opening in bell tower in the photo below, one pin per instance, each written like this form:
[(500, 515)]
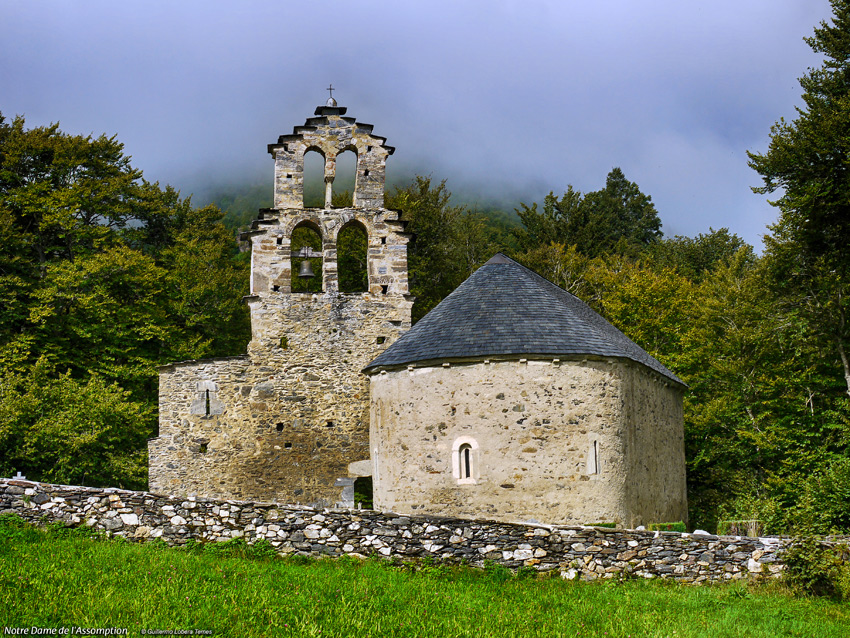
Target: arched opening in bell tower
[(314, 178), (343, 184), (306, 258), (352, 248)]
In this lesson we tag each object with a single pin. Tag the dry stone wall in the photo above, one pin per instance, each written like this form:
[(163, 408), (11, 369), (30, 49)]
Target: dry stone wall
[(588, 553)]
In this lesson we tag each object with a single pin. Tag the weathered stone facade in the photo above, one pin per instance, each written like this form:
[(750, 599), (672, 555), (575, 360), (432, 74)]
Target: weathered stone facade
[(549, 441), (512, 400), (582, 552), (284, 422), (329, 134)]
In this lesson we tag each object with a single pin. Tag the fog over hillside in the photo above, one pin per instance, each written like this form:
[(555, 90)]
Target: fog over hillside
[(506, 100)]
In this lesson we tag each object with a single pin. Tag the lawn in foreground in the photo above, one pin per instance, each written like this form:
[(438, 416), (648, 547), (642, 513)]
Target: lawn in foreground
[(52, 581)]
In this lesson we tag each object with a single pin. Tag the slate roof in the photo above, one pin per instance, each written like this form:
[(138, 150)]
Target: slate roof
[(505, 309)]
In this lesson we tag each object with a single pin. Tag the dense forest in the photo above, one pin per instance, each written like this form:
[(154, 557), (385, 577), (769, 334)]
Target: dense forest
[(105, 276)]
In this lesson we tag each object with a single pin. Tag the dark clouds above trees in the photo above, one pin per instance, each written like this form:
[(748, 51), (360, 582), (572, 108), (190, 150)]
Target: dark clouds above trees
[(514, 99)]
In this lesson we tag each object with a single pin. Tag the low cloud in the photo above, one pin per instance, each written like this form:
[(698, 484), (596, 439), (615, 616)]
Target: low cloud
[(511, 99)]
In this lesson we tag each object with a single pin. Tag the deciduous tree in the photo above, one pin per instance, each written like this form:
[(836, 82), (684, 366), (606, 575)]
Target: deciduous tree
[(103, 277)]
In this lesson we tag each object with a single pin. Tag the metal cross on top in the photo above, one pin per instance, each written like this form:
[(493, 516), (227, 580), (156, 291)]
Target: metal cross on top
[(331, 90)]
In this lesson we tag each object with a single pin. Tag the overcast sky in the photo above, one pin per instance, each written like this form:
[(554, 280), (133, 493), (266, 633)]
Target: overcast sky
[(511, 99)]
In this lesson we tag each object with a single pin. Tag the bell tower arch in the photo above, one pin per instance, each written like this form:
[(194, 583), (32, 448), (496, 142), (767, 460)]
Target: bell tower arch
[(330, 133), (291, 416), (319, 337)]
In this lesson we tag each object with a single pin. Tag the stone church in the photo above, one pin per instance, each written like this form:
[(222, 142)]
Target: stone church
[(511, 400)]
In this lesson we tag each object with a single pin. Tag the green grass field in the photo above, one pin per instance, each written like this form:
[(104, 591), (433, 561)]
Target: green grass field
[(60, 579)]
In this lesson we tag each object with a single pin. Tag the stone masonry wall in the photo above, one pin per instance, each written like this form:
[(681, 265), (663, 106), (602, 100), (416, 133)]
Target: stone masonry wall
[(271, 243), (285, 421), (550, 441), (654, 447), (576, 552)]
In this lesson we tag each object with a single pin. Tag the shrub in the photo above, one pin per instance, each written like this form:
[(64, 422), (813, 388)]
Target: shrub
[(752, 528), (817, 568), (497, 572), (753, 514), (262, 549), (13, 527), (825, 505), (236, 547), (526, 572), (157, 545), (10, 520), (301, 559), (58, 529), (59, 429), (193, 546)]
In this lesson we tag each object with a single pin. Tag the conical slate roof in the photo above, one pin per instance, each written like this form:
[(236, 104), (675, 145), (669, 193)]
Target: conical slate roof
[(505, 309)]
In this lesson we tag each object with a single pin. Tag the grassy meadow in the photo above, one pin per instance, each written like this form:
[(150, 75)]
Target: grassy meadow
[(60, 578)]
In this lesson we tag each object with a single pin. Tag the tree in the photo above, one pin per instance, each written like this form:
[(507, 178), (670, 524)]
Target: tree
[(808, 161), (555, 224), (75, 431), (618, 218), (449, 242), (620, 212), (205, 281), (696, 257), (103, 277), (64, 195), (104, 271)]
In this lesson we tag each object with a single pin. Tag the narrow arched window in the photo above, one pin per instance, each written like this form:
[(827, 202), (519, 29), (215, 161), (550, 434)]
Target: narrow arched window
[(343, 186), (593, 458), (314, 178), (465, 461), (596, 456), (206, 401)]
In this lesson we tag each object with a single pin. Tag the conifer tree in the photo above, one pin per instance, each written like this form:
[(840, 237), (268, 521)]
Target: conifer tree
[(808, 163), (619, 218)]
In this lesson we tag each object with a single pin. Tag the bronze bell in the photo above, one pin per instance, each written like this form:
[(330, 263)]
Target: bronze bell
[(306, 270)]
